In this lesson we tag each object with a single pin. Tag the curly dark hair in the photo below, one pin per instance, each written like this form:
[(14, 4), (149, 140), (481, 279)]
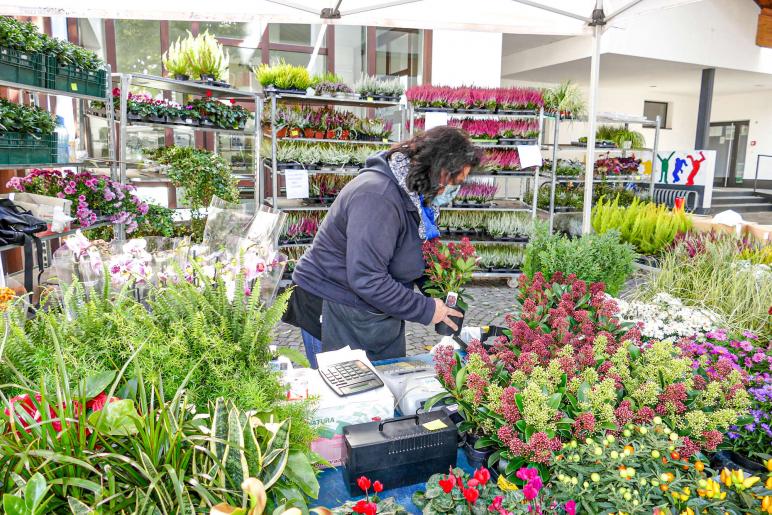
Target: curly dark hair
[(431, 152)]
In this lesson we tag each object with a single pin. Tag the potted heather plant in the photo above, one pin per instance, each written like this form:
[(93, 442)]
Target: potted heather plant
[(449, 267), (474, 194)]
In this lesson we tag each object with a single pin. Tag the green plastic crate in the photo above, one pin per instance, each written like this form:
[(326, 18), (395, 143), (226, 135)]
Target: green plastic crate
[(22, 67), (24, 149), (70, 78)]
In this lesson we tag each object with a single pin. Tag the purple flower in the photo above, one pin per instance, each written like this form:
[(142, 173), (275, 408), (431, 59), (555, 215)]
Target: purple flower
[(750, 335), (746, 346)]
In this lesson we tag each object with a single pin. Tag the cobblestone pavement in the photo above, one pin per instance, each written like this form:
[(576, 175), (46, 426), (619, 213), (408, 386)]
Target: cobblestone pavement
[(491, 300)]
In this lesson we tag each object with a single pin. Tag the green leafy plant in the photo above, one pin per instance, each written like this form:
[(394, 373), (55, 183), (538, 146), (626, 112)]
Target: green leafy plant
[(593, 257), (206, 57), (449, 267), (620, 135), (283, 75), (201, 173), (647, 226), (368, 86), (565, 99), (25, 119), (178, 60)]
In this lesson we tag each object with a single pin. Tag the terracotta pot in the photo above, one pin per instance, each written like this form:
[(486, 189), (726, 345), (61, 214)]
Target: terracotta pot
[(309, 133), (330, 134), (319, 134), (281, 132), (344, 134)]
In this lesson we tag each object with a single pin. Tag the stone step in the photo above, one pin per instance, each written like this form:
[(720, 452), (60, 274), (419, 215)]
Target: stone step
[(741, 208)]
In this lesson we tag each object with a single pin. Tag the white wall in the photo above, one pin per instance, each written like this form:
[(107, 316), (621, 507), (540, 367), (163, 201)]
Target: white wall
[(466, 57), (756, 107)]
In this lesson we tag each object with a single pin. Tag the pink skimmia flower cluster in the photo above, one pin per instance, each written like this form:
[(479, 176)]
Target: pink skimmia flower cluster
[(465, 97), (92, 195)]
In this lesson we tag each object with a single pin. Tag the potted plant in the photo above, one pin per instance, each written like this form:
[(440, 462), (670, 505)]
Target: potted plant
[(178, 59), (208, 60), (449, 266), (282, 77)]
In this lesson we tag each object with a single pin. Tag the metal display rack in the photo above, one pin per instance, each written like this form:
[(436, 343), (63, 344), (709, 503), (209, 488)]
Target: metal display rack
[(555, 147), (81, 98), (270, 165), (507, 204), (126, 81)]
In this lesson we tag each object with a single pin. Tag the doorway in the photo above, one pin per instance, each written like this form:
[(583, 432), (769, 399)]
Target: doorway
[(730, 141)]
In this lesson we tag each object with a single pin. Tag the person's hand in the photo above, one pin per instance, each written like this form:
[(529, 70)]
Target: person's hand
[(442, 314)]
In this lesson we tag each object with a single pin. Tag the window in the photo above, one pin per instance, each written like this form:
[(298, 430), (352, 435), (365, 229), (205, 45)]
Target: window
[(398, 53), (242, 60), (652, 109), (301, 59), (350, 52), (294, 34), (138, 46)]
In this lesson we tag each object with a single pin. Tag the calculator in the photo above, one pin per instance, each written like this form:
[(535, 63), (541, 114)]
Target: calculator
[(350, 377)]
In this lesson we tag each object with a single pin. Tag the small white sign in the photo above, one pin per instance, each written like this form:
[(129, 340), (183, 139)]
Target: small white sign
[(297, 183), (530, 155), (433, 120)]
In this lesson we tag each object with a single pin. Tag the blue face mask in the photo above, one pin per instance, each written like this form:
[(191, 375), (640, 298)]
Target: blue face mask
[(447, 196)]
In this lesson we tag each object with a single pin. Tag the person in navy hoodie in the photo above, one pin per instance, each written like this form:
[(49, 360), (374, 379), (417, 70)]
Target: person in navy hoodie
[(355, 286)]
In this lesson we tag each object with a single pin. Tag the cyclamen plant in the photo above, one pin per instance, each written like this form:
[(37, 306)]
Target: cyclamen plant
[(93, 195)]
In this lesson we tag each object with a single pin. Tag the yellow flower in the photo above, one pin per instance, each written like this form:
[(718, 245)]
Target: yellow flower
[(505, 485), (768, 463)]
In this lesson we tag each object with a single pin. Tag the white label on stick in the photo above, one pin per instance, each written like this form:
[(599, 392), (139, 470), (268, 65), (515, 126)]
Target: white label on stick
[(530, 155), (433, 120), (297, 183)]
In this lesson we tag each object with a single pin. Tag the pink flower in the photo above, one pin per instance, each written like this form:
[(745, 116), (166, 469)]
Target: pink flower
[(571, 507), (530, 492)]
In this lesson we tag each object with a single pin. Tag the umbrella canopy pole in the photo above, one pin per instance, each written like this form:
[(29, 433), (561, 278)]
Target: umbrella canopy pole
[(593, 108)]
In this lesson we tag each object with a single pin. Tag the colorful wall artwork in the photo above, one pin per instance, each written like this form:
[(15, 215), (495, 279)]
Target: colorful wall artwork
[(684, 168)]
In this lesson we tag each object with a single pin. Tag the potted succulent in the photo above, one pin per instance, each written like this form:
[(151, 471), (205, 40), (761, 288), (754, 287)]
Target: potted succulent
[(449, 267)]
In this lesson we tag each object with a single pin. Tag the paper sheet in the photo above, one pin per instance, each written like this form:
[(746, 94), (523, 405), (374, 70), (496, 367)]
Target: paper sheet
[(433, 119), (297, 183), (530, 155)]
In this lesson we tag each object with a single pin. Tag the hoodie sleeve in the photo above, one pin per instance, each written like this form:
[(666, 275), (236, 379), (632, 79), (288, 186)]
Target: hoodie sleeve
[(372, 232)]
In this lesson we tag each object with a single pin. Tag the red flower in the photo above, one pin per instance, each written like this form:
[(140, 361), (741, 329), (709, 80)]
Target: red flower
[(497, 503), (448, 484), (482, 476), (209, 93), (769, 311), (365, 508), (473, 483), (363, 483), (471, 495), (99, 402), (377, 487), (233, 101)]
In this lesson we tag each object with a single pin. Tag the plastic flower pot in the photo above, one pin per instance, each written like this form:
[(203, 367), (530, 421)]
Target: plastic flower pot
[(476, 457), (331, 134), (157, 119), (308, 133), (181, 76), (207, 78), (206, 123), (281, 132), (319, 134), (344, 134), (444, 329)]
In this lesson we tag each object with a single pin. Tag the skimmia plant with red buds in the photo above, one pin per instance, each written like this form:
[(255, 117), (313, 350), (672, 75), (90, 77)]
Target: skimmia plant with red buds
[(449, 267)]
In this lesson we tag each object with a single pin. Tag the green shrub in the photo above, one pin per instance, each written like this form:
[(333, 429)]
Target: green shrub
[(592, 258), (647, 226), (283, 75)]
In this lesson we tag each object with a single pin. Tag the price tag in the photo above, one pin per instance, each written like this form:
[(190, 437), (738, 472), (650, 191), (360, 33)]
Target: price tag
[(435, 425), (530, 155), (435, 119), (74, 86), (297, 183)]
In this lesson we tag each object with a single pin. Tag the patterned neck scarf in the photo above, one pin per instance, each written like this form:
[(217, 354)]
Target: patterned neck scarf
[(400, 165)]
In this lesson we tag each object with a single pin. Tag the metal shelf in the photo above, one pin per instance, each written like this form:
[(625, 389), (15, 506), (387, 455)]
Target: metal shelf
[(184, 86), (496, 146), (561, 146), (620, 179), (486, 242), (294, 205), (502, 175), (498, 205), (495, 275), (47, 91), (48, 165), (293, 245), (243, 132), (293, 98), (525, 113), (335, 141), (58, 235)]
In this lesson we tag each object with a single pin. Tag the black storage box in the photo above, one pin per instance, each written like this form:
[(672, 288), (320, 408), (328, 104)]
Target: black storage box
[(400, 451)]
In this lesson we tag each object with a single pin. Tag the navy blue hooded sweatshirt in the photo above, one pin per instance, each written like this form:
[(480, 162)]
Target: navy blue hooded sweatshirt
[(367, 253)]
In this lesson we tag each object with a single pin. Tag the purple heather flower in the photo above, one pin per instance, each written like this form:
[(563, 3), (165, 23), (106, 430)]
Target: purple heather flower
[(750, 427)]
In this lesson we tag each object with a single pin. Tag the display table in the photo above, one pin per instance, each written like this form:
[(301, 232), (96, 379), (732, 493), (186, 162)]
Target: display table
[(332, 488)]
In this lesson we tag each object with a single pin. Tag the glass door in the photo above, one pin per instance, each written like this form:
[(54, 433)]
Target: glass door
[(730, 141)]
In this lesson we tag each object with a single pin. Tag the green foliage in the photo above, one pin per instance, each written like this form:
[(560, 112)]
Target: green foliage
[(369, 85), (283, 75), (201, 173), (716, 279), (566, 99), (620, 135), (158, 221), (25, 119), (24, 36), (499, 256), (647, 226), (185, 330), (592, 258)]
